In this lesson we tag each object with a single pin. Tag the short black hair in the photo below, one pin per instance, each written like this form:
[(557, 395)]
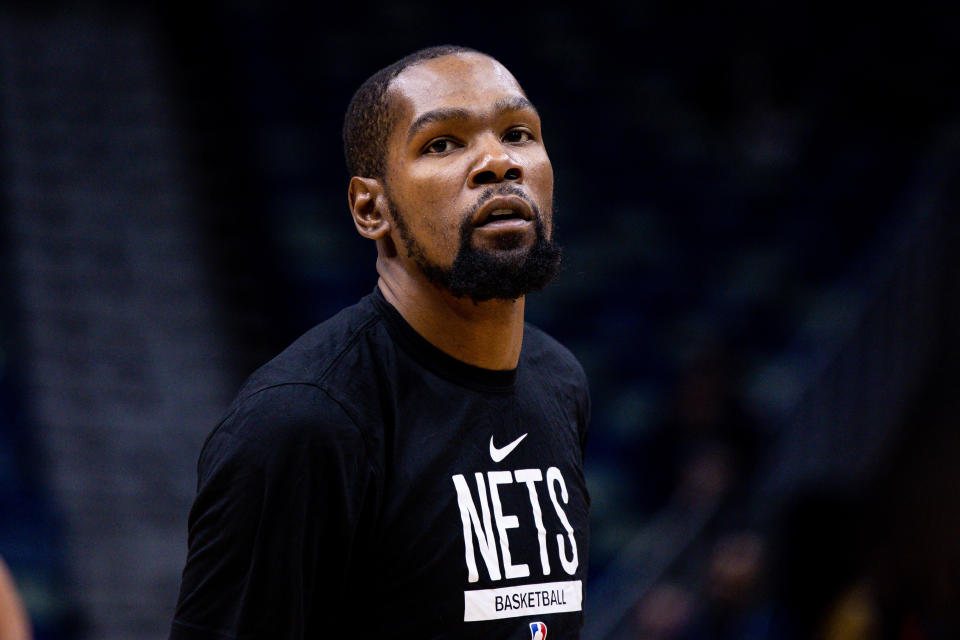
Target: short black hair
[(369, 118)]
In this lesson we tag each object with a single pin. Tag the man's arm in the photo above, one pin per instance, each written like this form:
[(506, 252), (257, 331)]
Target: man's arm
[(283, 483), (14, 623)]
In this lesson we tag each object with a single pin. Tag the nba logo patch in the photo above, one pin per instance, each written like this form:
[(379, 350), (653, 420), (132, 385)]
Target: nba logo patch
[(538, 631)]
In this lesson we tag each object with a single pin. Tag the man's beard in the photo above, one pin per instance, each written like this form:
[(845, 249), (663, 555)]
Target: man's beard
[(507, 272)]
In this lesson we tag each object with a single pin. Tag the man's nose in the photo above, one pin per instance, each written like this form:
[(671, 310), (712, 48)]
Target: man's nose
[(495, 165)]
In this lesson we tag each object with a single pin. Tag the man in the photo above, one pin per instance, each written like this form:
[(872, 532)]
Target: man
[(412, 467)]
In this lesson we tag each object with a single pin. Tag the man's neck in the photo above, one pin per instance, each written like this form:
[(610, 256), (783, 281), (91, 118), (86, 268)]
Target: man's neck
[(486, 334)]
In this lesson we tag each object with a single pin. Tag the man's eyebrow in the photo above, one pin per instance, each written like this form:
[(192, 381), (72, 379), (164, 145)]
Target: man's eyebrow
[(436, 115), (517, 103)]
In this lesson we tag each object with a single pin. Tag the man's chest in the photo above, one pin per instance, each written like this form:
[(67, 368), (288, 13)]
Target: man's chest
[(484, 510)]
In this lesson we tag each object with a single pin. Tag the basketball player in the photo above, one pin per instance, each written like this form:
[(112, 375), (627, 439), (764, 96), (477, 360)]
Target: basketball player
[(412, 467)]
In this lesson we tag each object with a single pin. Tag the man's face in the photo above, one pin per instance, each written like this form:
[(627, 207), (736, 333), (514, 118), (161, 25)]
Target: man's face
[(468, 179)]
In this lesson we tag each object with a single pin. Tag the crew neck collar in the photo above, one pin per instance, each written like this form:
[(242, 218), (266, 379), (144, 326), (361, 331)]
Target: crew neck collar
[(441, 363)]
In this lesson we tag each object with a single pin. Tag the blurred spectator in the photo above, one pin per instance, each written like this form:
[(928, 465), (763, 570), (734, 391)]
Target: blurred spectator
[(730, 605), (702, 457), (736, 606), (708, 446), (665, 613), (14, 624)]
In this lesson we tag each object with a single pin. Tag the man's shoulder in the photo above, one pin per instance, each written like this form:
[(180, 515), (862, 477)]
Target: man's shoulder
[(300, 394), (550, 369), (545, 353), (314, 356), (281, 418)]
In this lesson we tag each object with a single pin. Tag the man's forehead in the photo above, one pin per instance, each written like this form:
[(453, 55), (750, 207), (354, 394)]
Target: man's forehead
[(460, 78)]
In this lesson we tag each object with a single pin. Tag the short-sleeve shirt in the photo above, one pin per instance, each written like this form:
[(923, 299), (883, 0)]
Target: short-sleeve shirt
[(366, 484)]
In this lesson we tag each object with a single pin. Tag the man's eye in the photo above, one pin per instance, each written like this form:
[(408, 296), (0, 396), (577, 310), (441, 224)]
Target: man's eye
[(440, 146), (518, 135)]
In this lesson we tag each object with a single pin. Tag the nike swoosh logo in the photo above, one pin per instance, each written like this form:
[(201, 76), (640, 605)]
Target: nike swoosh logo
[(500, 454)]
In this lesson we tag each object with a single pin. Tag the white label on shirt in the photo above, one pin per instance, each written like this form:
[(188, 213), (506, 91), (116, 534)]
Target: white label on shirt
[(522, 600)]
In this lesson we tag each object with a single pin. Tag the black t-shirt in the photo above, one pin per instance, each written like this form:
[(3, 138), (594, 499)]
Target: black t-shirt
[(366, 484)]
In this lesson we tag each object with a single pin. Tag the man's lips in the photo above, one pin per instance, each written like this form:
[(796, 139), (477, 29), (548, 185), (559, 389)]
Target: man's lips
[(504, 212)]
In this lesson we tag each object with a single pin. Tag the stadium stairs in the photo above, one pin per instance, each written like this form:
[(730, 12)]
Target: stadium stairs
[(124, 368)]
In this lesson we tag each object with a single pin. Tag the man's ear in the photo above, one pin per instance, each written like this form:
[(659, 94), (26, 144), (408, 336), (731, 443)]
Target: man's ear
[(368, 207)]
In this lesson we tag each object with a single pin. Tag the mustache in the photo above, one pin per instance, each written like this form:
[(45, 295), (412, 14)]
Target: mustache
[(502, 190), (466, 227)]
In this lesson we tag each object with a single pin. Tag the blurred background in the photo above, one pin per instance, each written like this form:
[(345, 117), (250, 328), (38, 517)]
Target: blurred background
[(758, 207)]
